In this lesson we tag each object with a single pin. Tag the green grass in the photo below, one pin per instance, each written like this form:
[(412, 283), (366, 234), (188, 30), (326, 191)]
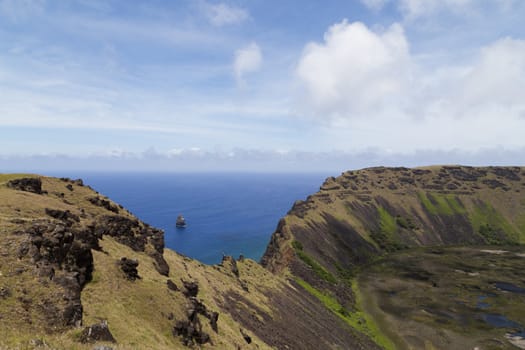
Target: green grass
[(405, 223), (316, 267), (490, 224), (345, 274), (441, 204), (387, 222), (297, 245), (491, 235), (454, 204), (520, 222), (427, 204), (386, 236), (357, 319)]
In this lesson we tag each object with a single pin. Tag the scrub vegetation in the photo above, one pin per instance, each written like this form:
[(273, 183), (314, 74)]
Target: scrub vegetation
[(380, 258)]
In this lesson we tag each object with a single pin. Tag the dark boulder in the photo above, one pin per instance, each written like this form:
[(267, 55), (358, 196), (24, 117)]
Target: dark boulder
[(72, 314), (79, 259), (191, 289), (65, 216), (465, 173), (197, 308), (104, 203), (29, 184), (123, 229), (77, 182), (493, 184), (160, 264), (191, 333), (191, 329), (97, 332), (156, 238), (88, 237), (507, 173), (129, 267), (172, 286), (246, 337), (214, 318), (59, 256)]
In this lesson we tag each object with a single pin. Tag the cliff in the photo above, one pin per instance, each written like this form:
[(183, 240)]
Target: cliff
[(361, 214), (78, 270), (363, 218), (387, 258)]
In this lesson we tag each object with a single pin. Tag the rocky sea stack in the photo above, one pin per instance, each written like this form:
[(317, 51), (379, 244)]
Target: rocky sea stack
[(392, 258)]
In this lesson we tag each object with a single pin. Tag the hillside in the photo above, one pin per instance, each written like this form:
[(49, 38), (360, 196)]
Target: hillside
[(378, 210), (70, 258), (338, 237), (393, 258)]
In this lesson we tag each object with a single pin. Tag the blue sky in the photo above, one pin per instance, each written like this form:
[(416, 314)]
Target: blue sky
[(301, 84)]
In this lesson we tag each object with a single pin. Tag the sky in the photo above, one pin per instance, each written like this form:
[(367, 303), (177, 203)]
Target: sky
[(259, 85)]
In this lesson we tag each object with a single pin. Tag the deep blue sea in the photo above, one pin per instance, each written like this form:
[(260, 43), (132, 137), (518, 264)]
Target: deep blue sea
[(226, 213)]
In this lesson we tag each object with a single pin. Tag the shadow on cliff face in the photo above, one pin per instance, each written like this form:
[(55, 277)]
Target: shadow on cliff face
[(297, 321)]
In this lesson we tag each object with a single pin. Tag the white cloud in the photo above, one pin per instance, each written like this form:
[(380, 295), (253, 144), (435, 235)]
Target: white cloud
[(222, 14), (355, 70), (247, 60), (366, 84), (498, 76), (491, 86)]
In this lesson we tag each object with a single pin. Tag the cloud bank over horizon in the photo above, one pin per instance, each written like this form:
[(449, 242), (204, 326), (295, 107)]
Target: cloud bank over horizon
[(252, 160)]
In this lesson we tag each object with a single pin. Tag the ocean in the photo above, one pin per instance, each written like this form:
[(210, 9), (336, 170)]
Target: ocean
[(226, 213)]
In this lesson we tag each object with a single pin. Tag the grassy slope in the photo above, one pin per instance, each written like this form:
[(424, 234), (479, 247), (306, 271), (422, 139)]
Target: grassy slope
[(137, 312)]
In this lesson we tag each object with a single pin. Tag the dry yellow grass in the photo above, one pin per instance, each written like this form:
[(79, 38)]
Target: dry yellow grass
[(137, 311)]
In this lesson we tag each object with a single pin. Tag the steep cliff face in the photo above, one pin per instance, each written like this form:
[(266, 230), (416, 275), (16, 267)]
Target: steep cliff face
[(364, 214), (78, 270), (371, 211)]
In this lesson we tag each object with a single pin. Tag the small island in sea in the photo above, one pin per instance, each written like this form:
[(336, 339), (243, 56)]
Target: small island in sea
[(180, 222)]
